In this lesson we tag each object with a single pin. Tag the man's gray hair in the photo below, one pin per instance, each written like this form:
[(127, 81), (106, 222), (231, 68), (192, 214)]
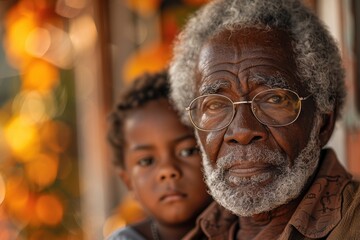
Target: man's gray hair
[(316, 54)]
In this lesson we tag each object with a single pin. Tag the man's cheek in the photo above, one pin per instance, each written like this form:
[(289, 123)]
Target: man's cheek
[(290, 145), (211, 143)]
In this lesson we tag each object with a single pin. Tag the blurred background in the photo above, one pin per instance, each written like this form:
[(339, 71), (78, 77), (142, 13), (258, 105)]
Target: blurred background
[(62, 63)]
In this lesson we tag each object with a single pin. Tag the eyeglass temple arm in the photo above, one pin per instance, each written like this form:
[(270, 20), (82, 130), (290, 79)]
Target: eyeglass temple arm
[(304, 98)]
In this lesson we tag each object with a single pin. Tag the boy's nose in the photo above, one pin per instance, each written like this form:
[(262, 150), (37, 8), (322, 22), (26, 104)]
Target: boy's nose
[(168, 171)]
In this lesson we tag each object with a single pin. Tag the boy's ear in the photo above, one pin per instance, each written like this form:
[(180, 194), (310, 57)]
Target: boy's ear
[(125, 178), (327, 127)]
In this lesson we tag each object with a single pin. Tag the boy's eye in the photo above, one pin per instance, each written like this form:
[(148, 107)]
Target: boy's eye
[(145, 161), (187, 152)]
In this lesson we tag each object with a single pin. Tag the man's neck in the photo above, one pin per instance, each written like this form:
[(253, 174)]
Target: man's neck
[(268, 225)]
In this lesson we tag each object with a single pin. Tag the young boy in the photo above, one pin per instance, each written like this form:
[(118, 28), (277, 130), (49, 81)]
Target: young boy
[(158, 160)]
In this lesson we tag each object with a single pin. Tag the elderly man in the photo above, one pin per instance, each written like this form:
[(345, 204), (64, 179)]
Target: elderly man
[(262, 83)]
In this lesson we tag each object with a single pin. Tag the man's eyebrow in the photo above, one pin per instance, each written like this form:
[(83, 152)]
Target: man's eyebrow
[(276, 81), (213, 87)]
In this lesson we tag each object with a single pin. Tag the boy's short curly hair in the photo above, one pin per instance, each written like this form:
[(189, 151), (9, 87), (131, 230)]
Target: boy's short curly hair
[(143, 89)]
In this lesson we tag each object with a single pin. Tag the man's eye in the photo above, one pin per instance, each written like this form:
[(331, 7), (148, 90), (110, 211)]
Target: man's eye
[(145, 161), (187, 152), (215, 105), (276, 99)]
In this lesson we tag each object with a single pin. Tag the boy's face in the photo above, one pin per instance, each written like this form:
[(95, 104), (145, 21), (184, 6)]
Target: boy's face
[(162, 164)]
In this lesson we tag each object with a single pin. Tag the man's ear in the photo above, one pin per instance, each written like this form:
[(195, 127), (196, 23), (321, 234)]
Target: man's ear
[(327, 127), (125, 178)]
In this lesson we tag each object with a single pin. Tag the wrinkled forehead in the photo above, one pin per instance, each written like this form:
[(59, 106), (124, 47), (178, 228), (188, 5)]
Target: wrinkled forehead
[(262, 39), (248, 48)]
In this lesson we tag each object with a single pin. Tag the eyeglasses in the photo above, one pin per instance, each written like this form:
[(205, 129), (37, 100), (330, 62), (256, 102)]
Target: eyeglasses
[(274, 107)]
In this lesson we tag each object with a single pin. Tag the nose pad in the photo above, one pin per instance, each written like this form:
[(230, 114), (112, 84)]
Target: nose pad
[(245, 128), (168, 171)]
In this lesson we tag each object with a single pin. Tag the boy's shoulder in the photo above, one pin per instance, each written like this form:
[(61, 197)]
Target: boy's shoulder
[(126, 233)]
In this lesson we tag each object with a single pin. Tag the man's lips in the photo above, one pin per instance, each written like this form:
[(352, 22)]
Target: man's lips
[(172, 196), (249, 169)]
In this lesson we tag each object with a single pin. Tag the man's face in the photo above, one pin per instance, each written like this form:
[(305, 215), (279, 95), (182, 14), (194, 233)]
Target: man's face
[(249, 167)]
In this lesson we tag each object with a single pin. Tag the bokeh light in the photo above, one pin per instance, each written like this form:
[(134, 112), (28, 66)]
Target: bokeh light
[(22, 137), (17, 198), (83, 26), (42, 171), (144, 7), (33, 135), (128, 211), (60, 49), (34, 106), (41, 76), (49, 209), (151, 58), (19, 28), (38, 42)]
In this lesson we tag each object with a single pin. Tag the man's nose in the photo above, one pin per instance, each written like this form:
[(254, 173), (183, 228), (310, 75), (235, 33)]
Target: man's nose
[(168, 170), (245, 128)]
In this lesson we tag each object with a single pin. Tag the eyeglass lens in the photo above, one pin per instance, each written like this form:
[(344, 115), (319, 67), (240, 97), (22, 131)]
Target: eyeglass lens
[(274, 107)]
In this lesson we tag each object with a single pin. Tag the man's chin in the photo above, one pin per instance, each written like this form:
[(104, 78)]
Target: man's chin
[(264, 192), (247, 197)]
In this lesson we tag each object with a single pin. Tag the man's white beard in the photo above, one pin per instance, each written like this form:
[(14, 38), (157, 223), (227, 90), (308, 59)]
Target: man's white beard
[(244, 196)]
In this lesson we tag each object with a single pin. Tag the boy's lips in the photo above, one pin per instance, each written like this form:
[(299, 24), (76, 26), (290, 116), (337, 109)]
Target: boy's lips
[(172, 196)]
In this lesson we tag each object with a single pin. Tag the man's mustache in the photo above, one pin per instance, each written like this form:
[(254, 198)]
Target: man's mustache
[(251, 154)]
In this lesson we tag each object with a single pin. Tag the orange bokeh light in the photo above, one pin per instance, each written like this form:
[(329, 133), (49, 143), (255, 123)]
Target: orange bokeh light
[(144, 7), (22, 137), (33, 6), (18, 29), (41, 76), (112, 223), (129, 211), (49, 209), (43, 169), (149, 59), (17, 197)]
